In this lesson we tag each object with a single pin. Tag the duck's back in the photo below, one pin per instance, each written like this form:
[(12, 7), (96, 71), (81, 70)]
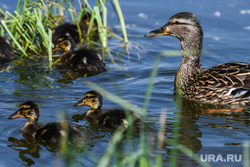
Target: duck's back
[(227, 83)]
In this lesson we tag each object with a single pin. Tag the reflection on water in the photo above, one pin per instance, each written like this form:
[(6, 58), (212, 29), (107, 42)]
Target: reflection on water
[(190, 133), (31, 74), (78, 117), (25, 148)]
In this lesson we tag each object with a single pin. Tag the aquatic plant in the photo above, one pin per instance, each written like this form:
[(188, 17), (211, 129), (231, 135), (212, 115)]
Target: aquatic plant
[(30, 27)]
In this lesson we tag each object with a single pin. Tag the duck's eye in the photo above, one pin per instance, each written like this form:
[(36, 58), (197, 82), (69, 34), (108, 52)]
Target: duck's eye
[(177, 22), (29, 113)]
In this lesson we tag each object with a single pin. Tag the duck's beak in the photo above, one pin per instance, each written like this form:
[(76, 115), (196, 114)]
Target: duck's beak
[(159, 32), (79, 103), (15, 115)]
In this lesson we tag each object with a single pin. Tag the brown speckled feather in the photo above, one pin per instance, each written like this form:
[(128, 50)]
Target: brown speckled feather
[(223, 83)]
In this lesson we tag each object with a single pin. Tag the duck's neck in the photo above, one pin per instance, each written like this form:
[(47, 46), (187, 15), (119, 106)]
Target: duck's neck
[(190, 65), (30, 128), (92, 114)]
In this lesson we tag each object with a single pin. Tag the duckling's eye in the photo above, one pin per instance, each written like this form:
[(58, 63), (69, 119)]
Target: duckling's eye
[(67, 42), (29, 113)]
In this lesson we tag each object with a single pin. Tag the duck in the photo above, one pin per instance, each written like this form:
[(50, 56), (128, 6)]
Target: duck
[(71, 29), (6, 51), (223, 84), (86, 61), (107, 118), (50, 133)]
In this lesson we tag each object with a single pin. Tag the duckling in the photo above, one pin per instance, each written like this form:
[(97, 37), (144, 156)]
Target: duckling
[(51, 133), (71, 29), (109, 118), (86, 61), (65, 29), (6, 51), (223, 84)]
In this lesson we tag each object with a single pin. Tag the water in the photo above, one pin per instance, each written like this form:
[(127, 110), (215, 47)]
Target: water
[(226, 39)]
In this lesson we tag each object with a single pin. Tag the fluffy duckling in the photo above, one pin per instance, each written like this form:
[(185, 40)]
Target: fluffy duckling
[(6, 51), (51, 133), (71, 29), (86, 61), (109, 118)]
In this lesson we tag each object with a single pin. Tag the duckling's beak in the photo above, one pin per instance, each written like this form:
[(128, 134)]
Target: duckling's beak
[(15, 115), (159, 32), (79, 103)]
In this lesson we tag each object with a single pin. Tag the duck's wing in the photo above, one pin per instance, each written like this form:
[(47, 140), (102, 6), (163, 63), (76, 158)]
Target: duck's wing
[(223, 83)]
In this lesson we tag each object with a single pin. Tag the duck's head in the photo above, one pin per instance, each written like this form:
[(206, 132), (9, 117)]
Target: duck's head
[(28, 110), (185, 26), (64, 43), (92, 99)]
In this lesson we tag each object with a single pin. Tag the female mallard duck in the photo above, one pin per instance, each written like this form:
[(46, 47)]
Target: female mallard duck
[(6, 51), (227, 83), (85, 60), (50, 133), (109, 118), (71, 29)]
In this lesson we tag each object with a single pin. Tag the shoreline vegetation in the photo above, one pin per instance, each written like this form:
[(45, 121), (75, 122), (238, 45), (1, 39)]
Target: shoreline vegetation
[(29, 28)]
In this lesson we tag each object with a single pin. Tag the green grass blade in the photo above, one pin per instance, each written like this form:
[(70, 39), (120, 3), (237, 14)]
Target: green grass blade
[(12, 37), (151, 83), (122, 22), (101, 28), (50, 48), (105, 159), (246, 155)]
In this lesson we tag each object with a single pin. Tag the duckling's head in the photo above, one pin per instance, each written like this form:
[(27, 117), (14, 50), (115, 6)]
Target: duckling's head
[(6, 51), (86, 18), (185, 26), (64, 43), (28, 110), (92, 99)]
